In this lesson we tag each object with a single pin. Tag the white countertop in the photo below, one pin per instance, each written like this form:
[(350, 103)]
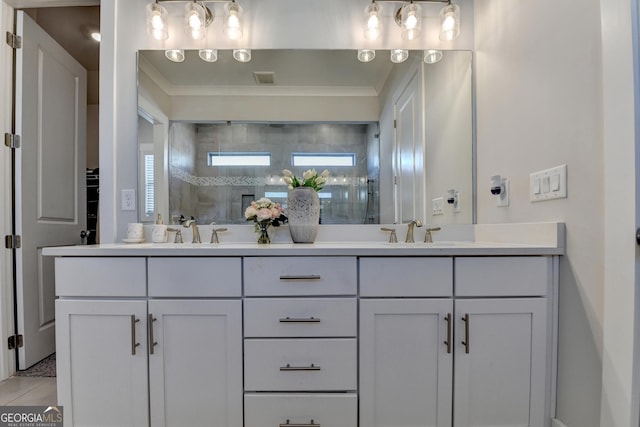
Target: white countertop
[(497, 240)]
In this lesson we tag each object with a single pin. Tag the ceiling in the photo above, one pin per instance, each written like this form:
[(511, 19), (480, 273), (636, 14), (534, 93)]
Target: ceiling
[(309, 68), (72, 27)]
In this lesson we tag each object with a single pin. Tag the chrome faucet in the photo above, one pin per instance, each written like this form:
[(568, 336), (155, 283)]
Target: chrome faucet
[(428, 238), (214, 233), (412, 224), (194, 229)]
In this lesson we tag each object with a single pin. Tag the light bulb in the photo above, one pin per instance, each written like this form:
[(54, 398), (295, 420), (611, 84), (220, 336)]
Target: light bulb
[(242, 55), (157, 22), (450, 22), (366, 55), (411, 21), (175, 55), (208, 55), (373, 25), (399, 55), (233, 21), (431, 56), (195, 20)]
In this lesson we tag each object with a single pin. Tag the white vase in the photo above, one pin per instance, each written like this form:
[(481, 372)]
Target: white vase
[(303, 206)]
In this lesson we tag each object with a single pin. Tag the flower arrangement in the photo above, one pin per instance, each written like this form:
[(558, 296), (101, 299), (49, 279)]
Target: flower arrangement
[(265, 213), (310, 178)]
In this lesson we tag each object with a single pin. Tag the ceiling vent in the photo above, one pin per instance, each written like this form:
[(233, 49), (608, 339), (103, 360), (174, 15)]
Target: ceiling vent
[(264, 77)]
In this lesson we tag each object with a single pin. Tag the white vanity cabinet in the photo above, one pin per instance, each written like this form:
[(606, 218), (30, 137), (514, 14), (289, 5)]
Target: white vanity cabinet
[(406, 310), (300, 346), (170, 355), (477, 347), (101, 341)]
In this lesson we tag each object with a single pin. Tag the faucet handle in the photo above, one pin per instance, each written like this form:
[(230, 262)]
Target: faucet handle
[(393, 238), (428, 238)]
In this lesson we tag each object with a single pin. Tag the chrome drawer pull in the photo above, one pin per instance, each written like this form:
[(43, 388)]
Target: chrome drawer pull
[(134, 344), (300, 368), (288, 424), (152, 341), (447, 319), (301, 277), (465, 343), (299, 320)]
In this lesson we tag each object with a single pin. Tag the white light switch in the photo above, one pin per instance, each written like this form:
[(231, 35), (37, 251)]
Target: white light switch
[(548, 184), (437, 206)]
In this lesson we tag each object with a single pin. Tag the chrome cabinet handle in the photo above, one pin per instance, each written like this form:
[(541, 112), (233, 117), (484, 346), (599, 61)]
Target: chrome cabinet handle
[(465, 343), (152, 342), (300, 320), (134, 344), (288, 424), (290, 368), (301, 277), (447, 319)]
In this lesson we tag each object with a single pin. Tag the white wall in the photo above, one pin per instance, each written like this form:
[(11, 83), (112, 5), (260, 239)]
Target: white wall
[(319, 24), (539, 105)]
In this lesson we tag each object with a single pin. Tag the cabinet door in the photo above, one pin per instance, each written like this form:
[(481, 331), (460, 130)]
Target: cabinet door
[(195, 367), (102, 362), (405, 363), (500, 362)]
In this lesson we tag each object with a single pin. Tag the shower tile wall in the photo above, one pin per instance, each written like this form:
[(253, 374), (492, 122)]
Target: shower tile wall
[(220, 194)]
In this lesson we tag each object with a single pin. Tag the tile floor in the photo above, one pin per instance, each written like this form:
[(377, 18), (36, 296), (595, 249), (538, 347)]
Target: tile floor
[(20, 391)]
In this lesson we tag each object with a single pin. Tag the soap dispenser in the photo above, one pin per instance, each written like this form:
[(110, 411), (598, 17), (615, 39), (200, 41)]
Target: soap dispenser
[(159, 231)]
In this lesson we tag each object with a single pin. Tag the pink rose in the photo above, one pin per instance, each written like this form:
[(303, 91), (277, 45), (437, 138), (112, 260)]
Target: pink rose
[(264, 214), (250, 212)]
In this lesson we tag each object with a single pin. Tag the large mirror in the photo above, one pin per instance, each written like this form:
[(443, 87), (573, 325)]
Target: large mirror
[(396, 137)]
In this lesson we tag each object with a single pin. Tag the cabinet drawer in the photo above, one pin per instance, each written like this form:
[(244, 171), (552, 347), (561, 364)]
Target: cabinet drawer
[(195, 277), (108, 277), (325, 410), (300, 365), (300, 317), (406, 277), (503, 276), (292, 276)]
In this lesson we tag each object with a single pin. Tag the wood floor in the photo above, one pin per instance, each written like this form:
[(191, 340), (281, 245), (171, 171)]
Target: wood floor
[(21, 391)]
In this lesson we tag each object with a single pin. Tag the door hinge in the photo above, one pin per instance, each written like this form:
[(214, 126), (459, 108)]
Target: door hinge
[(15, 341), (11, 140), (12, 241), (14, 40), (395, 124)]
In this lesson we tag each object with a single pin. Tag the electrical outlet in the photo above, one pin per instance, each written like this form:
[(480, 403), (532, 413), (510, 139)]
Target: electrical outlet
[(128, 200)]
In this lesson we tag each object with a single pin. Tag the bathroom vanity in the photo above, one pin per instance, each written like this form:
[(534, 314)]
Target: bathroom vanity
[(333, 334)]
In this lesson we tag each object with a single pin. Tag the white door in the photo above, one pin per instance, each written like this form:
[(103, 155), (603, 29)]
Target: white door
[(50, 199), (500, 363), (406, 356), (195, 363), (102, 362), (410, 152)]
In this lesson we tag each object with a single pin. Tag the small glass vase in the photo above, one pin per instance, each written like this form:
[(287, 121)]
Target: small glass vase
[(263, 239)]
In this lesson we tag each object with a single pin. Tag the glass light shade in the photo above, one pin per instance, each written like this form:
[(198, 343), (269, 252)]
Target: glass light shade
[(157, 22), (175, 55), (399, 55), (372, 21), (208, 55), (411, 21), (450, 22), (242, 55), (366, 55), (195, 19), (233, 21), (431, 56)]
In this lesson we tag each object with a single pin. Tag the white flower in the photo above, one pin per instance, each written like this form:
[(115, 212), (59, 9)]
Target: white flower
[(309, 174), (264, 213), (287, 179), (287, 173), (325, 174), (250, 212)]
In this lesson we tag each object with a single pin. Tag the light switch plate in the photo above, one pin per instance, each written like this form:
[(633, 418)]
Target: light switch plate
[(548, 184), (128, 200), (437, 206)]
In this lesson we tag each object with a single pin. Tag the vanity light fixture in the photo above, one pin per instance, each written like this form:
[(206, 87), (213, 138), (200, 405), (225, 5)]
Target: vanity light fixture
[(431, 56), (175, 55), (157, 21), (450, 22), (233, 21), (366, 55), (372, 21), (208, 55), (398, 55), (242, 55)]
